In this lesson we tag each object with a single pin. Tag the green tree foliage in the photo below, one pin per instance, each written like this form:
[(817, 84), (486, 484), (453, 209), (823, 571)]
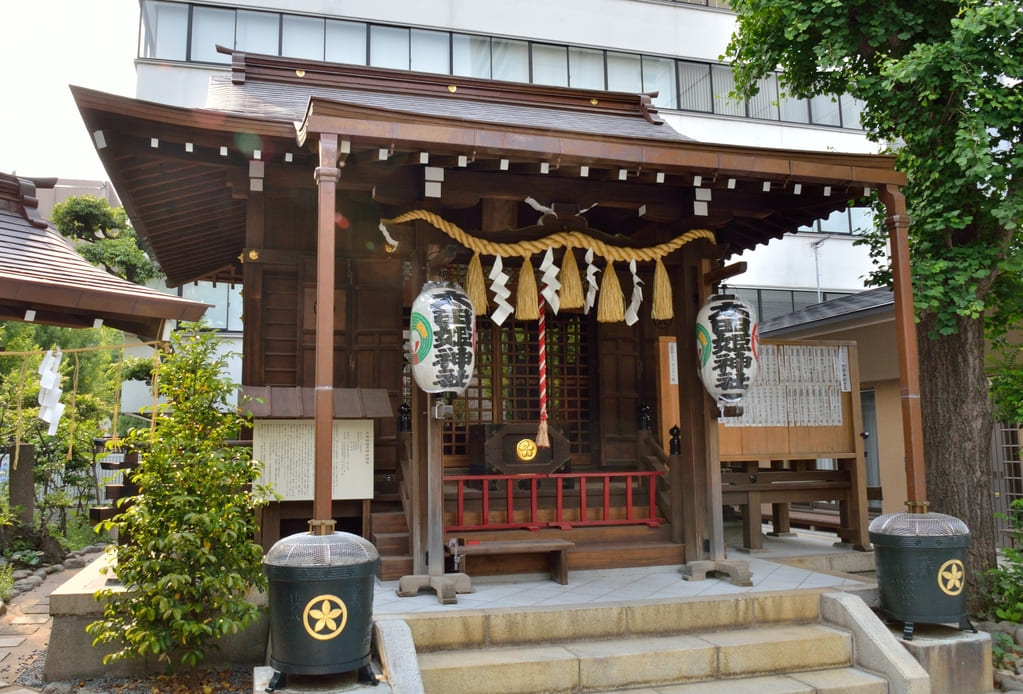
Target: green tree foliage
[(191, 558), (104, 237), (939, 83)]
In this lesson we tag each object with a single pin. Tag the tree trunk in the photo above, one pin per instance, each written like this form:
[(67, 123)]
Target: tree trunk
[(957, 421)]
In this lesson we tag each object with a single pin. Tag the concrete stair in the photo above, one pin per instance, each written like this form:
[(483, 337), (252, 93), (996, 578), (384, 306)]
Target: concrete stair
[(765, 643)]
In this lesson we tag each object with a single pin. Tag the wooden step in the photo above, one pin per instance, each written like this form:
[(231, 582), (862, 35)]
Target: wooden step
[(388, 522), (394, 567), (391, 543)]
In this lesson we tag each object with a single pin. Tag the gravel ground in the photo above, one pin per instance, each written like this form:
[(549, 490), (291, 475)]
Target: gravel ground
[(208, 681)]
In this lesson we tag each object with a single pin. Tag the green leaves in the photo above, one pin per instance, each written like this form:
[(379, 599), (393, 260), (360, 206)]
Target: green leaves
[(192, 557)]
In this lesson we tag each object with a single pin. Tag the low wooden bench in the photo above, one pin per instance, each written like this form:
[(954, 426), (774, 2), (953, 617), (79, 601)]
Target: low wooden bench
[(555, 549)]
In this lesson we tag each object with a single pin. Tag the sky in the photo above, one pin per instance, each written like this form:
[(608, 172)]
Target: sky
[(46, 45)]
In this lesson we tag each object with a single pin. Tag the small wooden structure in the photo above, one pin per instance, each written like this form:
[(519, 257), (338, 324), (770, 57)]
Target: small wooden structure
[(333, 192)]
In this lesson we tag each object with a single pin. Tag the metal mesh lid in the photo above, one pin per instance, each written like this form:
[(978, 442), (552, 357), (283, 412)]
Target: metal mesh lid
[(918, 524), (336, 549)]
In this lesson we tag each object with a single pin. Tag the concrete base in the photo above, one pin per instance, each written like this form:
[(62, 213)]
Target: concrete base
[(737, 571), (957, 661), (315, 684), (71, 655), (447, 586)]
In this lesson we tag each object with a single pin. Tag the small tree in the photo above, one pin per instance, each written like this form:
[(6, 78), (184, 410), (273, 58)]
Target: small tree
[(191, 557)]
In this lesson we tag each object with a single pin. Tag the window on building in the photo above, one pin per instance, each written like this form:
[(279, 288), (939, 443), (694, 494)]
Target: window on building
[(659, 76), (345, 42), (258, 32), (765, 104), (430, 51), (695, 93), (550, 64), (824, 110), (303, 37), (510, 60), (389, 47), (211, 26), (794, 110), (225, 312), (164, 31), (723, 82), (586, 68), (470, 55), (624, 72)]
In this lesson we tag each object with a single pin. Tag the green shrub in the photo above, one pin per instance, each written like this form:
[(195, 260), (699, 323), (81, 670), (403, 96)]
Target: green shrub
[(6, 581), (191, 558), (1003, 593)]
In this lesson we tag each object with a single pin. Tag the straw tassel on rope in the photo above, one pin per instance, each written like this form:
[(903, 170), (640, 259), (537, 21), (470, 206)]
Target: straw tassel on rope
[(475, 286), (662, 308), (525, 297), (611, 301), (571, 294)]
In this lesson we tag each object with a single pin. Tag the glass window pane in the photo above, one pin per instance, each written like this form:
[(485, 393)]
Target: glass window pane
[(724, 83), (302, 37), (389, 47), (851, 109), (836, 223), (659, 76), (824, 110), (210, 27), (258, 32), (471, 55), (234, 308), (802, 299), (164, 30), (862, 219), (216, 296), (694, 87), (765, 103), (750, 296), (775, 302), (794, 110), (346, 42), (586, 68), (624, 73), (510, 60), (550, 64), (431, 51)]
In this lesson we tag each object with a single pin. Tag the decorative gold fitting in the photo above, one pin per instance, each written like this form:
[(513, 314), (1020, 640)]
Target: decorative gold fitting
[(452, 88), (321, 527), (300, 73), (253, 255)]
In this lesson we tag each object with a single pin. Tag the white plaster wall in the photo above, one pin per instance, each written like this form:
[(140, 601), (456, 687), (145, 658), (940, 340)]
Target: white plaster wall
[(792, 262)]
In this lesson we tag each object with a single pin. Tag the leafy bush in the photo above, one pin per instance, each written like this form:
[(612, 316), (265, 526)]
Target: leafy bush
[(1004, 588), (6, 580), (191, 557)]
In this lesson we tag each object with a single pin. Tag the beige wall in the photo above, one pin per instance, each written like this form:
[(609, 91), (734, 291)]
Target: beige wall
[(891, 450)]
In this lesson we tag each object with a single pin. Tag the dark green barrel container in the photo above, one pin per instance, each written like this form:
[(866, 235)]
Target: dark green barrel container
[(921, 561), (321, 602)]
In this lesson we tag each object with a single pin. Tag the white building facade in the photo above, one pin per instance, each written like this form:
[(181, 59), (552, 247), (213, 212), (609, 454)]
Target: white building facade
[(671, 47)]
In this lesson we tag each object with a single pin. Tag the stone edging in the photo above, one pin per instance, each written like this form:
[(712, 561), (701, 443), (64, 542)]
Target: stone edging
[(27, 579)]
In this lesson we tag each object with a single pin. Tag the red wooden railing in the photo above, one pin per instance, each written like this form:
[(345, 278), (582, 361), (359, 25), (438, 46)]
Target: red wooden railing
[(487, 502)]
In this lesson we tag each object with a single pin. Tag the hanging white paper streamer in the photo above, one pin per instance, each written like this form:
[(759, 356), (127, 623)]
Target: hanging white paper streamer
[(632, 311), (591, 281), (499, 285), (544, 211), (50, 407), (549, 280)]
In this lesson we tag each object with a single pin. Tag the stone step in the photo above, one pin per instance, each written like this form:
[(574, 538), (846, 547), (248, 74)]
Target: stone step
[(622, 663), (832, 681)]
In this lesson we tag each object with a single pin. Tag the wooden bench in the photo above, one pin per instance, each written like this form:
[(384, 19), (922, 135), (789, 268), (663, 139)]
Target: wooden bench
[(555, 549)]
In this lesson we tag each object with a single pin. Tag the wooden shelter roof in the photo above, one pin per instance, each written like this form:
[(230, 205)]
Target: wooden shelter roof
[(40, 271), (183, 174)]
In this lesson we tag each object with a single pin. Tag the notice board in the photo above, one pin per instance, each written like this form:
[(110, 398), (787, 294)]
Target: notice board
[(286, 449)]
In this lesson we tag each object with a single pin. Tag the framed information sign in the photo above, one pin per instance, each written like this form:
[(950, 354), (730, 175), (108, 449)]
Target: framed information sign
[(286, 449)]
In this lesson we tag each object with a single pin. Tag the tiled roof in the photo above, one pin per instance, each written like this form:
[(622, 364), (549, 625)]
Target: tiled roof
[(279, 101), (870, 302), (40, 271)]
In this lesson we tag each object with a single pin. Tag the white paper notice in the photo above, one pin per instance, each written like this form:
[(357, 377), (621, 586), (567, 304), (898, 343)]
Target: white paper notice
[(286, 449)]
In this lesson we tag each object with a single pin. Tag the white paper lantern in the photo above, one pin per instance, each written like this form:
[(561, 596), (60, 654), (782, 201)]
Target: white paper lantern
[(727, 344), (442, 338)]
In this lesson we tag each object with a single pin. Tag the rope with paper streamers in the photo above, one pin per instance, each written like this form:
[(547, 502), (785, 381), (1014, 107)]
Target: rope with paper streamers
[(610, 308)]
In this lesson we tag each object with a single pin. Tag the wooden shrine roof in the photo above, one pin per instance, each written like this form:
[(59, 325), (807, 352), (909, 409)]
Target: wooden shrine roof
[(41, 272), (183, 174)]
